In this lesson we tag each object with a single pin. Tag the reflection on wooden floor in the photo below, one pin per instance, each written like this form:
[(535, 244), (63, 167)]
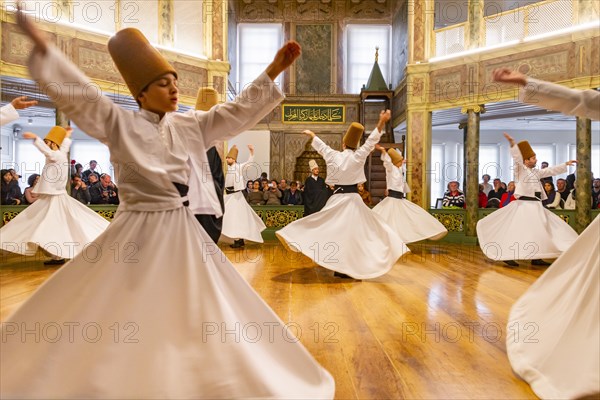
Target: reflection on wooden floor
[(432, 328)]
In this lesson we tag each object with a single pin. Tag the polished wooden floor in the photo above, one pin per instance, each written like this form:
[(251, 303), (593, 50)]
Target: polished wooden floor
[(432, 328)]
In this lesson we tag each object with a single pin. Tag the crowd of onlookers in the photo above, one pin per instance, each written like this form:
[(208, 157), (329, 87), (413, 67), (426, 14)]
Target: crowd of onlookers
[(88, 187), (92, 187), (499, 194)]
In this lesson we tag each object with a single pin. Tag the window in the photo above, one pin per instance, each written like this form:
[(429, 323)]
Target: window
[(29, 160), (361, 41), (436, 175), (257, 44), (489, 161)]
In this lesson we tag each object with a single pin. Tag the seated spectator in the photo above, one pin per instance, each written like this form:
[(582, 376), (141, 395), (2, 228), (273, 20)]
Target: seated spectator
[(292, 196), (487, 186), (482, 196), (553, 199), (10, 190), (548, 178), (272, 196), (93, 180), (561, 189), (571, 202), (264, 185), (91, 171), (453, 198), (283, 186), (364, 194), (248, 189), (79, 170), (596, 193), (28, 196), (509, 195), (495, 194), (80, 191), (104, 192), (255, 197)]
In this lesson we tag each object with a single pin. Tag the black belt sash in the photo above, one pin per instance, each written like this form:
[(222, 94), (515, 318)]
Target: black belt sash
[(395, 194), (183, 191), (230, 190), (342, 189), (527, 198)]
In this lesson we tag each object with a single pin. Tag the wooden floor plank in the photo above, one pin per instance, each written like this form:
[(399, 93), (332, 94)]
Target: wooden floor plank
[(434, 327)]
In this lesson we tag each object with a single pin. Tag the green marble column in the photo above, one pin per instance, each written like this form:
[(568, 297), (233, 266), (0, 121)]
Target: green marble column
[(476, 25), (166, 11), (584, 177), (471, 189)]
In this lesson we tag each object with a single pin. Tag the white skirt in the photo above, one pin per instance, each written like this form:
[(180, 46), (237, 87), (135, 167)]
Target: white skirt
[(347, 237), (59, 224), (240, 221), (553, 339), (157, 312), (409, 221), (524, 230)]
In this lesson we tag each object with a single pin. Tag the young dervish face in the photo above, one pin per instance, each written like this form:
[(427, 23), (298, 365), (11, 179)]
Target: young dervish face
[(161, 96), (51, 144), (315, 171), (530, 162), (230, 161)]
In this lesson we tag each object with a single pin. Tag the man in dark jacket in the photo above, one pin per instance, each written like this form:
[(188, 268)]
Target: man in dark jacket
[(315, 191)]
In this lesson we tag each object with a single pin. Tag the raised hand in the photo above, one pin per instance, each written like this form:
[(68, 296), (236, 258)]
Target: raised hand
[(384, 117), (309, 133), (29, 135), (69, 131), (283, 59), (571, 162), (506, 75), (510, 139), (21, 102)]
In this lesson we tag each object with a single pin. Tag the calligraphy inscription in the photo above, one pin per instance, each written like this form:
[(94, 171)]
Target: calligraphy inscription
[(316, 114)]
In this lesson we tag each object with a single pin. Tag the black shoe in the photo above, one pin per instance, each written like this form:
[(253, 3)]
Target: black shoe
[(237, 244), (340, 275), (60, 261), (541, 262), (512, 263)]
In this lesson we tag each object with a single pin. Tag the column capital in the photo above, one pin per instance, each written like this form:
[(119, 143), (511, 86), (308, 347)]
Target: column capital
[(478, 108)]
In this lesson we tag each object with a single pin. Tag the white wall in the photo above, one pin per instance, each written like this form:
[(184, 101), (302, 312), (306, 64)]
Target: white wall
[(262, 150)]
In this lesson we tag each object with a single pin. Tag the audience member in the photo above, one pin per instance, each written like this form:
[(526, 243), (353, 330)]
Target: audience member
[(364, 194), (255, 197), (553, 199), (79, 190), (29, 197), (104, 192), (11, 192), (453, 198), (509, 195), (292, 196), (91, 171), (487, 186), (482, 196), (272, 195)]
